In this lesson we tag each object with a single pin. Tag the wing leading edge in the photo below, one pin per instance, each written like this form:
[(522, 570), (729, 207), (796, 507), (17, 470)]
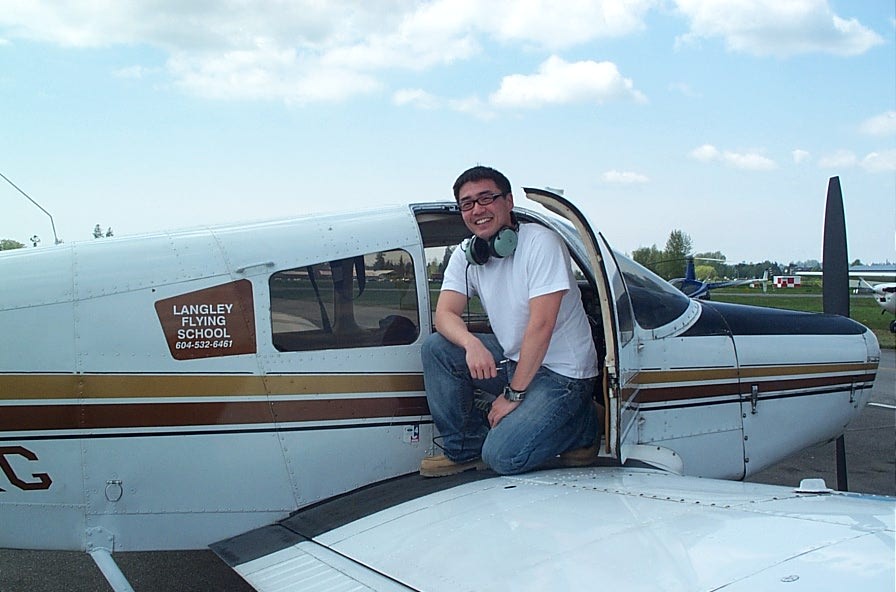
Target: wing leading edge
[(633, 529)]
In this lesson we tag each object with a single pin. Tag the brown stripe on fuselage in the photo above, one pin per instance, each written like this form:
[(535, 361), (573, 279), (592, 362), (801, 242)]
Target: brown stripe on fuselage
[(779, 385), (212, 413), (828, 369), (651, 377), (678, 393), (83, 393), (768, 378)]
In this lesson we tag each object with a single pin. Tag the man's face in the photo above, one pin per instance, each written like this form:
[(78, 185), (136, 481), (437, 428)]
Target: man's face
[(485, 220)]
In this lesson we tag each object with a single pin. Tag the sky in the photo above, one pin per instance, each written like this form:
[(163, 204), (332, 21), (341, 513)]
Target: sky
[(720, 118)]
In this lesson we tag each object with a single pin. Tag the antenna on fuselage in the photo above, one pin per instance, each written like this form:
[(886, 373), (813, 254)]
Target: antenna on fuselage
[(52, 224), (835, 284)]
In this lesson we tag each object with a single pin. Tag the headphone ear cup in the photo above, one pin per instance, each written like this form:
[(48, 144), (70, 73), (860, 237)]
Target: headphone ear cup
[(503, 244), (477, 251)]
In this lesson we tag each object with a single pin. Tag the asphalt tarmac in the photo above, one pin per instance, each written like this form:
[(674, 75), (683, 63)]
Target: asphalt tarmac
[(871, 464)]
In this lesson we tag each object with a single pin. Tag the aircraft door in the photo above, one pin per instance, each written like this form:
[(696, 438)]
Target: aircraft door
[(620, 363), (620, 388), (620, 369)]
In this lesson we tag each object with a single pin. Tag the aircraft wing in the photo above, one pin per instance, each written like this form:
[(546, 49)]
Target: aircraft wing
[(732, 283), (885, 275), (603, 527)]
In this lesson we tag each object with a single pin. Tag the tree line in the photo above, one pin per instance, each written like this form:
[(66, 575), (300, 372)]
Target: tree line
[(671, 261)]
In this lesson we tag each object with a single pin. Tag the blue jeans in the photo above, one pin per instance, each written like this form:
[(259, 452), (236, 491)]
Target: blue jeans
[(557, 414)]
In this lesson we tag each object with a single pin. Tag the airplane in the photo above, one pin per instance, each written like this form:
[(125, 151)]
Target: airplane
[(216, 386), (885, 295), (694, 288), (884, 291), (882, 273)]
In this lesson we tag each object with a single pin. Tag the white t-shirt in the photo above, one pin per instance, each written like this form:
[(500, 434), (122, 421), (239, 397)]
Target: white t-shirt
[(540, 265)]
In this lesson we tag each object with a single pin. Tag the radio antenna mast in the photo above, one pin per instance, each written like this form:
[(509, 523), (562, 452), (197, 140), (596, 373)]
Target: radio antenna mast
[(52, 224)]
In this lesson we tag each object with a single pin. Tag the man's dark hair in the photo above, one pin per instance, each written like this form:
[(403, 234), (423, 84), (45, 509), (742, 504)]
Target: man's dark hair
[(481, 173)]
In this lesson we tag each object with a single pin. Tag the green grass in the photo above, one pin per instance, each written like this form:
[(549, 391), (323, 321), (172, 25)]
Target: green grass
[(862, 307)]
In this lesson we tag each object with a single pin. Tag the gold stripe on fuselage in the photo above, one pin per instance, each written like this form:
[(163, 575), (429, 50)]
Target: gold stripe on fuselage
[(48, 403), (647, 378), (658, 386), (126, 386)]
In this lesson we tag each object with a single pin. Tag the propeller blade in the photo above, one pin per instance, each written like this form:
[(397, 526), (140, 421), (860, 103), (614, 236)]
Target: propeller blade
[(835, 272), (835, 286)]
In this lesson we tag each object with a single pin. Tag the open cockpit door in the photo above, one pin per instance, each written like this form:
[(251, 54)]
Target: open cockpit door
[(619, 363)]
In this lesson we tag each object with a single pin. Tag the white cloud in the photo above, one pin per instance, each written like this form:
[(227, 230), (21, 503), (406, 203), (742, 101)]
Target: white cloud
[(422, 35), (873, 162), (800, 156), (880, 162), (773, 27), (705, 153), (624, 178), (556, 26), (561, 82), (338, 24), (880, 125), (267, 74), (190, 26), (307, 50), (420, 99), (415, 97), (839, 159), (750, 161)]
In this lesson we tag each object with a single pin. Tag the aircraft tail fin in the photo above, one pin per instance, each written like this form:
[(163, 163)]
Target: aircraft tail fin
[(867, 286), (690, 272)]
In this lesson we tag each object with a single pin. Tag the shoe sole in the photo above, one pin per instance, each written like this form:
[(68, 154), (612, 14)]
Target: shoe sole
[(574, 459), (576, 462), (453, 470)]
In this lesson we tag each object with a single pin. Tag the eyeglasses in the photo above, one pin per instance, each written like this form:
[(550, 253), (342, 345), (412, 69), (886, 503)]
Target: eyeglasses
[(467, 204)]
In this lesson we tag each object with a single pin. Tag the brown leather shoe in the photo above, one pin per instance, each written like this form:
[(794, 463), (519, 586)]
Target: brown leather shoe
[(440, 465), (578, 457)]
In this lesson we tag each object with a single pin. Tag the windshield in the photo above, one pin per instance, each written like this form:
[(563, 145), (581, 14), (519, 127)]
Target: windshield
[(655, 301)]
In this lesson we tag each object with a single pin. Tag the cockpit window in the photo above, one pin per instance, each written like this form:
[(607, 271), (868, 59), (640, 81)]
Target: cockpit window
[(363, 301), (655, 301)]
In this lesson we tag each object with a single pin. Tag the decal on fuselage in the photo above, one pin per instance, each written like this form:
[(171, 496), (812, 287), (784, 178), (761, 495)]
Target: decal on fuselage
[(42, 481), (213, 322)]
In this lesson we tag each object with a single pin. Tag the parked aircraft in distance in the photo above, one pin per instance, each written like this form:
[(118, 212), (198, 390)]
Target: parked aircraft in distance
[(176, 390), (885, 295), (884, 291), (694, 288)]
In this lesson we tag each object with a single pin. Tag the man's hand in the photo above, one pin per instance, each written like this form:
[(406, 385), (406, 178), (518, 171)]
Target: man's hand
[(500, 408), (480, 361)]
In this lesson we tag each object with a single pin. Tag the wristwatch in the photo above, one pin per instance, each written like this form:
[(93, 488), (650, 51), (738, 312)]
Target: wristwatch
[(513, 395)]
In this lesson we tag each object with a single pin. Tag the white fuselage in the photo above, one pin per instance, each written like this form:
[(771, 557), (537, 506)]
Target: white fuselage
[(170, 390)]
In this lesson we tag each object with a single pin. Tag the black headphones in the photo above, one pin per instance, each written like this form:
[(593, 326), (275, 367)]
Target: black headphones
[(480, 250)]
